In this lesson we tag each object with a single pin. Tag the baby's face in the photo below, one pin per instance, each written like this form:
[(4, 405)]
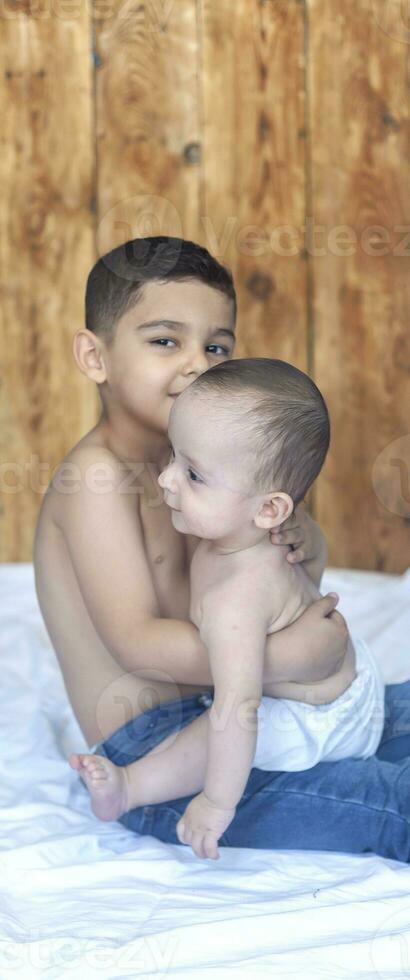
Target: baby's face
[(205, 482)]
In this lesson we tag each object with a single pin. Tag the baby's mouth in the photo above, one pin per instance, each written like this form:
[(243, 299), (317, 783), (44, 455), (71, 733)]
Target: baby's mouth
[(172, 508)]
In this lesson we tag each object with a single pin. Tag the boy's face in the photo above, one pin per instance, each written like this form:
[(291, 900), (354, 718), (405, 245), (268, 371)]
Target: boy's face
[(205, 482), (176, 331)]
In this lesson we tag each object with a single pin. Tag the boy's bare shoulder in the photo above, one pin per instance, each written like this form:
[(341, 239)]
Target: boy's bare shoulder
[(92, 449), (88, 468), (91, 521)]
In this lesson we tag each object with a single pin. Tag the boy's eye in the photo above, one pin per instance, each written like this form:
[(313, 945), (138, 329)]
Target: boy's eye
[(225, 350), (163, 341)]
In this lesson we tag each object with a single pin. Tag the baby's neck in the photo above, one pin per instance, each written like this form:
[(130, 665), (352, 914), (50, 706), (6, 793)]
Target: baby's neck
[(244, 541)]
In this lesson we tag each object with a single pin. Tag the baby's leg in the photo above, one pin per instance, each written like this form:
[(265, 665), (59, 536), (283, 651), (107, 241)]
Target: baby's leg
[(175, 768)]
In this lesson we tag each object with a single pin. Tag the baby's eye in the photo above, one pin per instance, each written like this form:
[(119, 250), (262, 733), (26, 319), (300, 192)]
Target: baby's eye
[(193, 476), (162, 340)]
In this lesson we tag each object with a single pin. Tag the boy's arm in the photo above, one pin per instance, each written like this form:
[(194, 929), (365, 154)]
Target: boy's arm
[(316, 566), (235, 638), (311, 649), (307, 540), (104, 537), (317, 642)]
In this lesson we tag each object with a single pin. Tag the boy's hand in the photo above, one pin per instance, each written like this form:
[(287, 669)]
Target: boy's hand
[(326, 638), (310, 649), (301, 533), (202, 825)]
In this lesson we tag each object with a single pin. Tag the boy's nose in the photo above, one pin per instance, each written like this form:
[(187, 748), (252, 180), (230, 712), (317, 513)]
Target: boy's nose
[(196, 363)]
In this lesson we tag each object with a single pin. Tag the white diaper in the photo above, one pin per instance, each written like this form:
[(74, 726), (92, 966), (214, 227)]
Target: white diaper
[(293, 736)]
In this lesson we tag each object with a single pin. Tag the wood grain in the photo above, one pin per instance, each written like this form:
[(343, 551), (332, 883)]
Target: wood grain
[(359, 143), (46, 165), (148, 132), (253, 123), (276, 133)]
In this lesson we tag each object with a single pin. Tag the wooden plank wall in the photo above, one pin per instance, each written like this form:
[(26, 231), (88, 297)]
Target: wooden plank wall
[(358, 81), (257, 128), (46, 246)]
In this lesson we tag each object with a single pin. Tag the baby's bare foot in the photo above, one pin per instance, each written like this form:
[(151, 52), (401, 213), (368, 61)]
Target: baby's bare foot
[(107, 784)]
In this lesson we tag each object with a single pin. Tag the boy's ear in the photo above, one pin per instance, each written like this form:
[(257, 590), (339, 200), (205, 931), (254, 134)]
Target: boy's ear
[(88, 354), (274, 510)]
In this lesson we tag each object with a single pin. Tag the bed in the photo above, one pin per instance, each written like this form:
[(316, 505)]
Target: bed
[(82, 897)]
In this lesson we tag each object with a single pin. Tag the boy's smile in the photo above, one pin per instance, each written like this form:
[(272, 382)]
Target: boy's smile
[(175, 332)]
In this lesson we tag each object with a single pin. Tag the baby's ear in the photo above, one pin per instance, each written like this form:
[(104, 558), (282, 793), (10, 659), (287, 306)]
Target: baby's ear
[(274, 510)]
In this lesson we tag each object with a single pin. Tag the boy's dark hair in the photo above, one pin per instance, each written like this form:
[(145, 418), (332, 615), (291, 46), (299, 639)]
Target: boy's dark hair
[(282, 414), (116, 280)]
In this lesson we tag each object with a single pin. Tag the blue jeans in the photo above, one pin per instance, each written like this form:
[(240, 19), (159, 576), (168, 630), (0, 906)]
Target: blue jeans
[(355, 805)]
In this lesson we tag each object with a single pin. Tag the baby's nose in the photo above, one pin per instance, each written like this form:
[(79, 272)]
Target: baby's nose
[(165, 478)]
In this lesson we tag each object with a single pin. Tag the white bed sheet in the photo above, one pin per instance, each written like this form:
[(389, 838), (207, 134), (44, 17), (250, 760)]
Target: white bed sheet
[(79, 897)]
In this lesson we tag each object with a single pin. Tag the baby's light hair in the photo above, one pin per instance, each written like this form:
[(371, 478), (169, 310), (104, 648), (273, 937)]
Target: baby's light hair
[(280, 414)]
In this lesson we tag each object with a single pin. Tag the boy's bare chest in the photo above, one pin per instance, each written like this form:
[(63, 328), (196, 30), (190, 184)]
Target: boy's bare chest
[(166, 553)]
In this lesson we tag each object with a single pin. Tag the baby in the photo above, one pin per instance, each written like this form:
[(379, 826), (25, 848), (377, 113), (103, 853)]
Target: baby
[(248, 439)]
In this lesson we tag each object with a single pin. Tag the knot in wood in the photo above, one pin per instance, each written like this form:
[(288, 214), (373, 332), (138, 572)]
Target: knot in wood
[(260, 285), (192, 153)]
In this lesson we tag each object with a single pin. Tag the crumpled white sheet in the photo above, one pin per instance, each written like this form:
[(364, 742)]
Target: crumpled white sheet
[(79, 897)]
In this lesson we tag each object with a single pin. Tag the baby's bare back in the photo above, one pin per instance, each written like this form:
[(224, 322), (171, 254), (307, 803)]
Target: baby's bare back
[(283, 591)]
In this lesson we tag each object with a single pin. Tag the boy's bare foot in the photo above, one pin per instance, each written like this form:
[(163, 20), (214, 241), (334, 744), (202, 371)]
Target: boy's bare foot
[(107, 784)]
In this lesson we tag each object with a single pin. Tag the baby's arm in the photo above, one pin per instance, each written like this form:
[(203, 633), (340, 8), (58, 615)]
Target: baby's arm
[(235, 637)]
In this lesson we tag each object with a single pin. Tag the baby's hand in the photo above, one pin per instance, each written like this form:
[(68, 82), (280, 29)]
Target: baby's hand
[(300, 532), (202, 825)]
